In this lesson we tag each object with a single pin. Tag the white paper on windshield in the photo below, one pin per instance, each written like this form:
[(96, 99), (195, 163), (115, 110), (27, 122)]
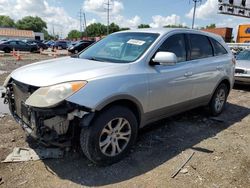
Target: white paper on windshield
[(136, 42)]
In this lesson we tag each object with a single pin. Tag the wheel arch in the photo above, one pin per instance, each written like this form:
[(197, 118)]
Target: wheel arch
[(123, 100), (224, 80)]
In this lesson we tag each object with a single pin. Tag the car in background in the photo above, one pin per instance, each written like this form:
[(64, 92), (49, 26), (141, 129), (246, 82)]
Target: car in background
[(39, 44), (50, 43), (8, 46), (242, 69), (61, 44), (74, 49)]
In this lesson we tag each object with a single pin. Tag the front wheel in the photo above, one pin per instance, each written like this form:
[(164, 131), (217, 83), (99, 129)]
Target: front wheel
[(110, 136), (218, 100)]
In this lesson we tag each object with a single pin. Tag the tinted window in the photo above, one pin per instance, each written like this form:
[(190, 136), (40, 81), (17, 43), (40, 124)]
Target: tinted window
[(218, 48), (22, 43), (200, 47), (12, 42), (244, 55), (176, 45)]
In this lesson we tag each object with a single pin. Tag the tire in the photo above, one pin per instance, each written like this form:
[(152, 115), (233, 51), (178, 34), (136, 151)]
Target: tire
[(218, 100), (7, 50), (98, 142)]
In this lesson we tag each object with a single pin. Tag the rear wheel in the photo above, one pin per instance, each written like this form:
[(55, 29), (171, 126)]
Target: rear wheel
[(110, 136), (7, 50), (218, 100)]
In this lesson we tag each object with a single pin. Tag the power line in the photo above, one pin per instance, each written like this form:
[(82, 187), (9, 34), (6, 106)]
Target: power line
[(195, 4)]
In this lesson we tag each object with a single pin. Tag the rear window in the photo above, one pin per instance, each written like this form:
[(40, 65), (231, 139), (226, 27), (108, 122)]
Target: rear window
[(200, 47), (218, 48)]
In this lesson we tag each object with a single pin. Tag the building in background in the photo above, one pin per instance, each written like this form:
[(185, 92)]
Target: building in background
[(12, 33), (224, 32), (243, 34)]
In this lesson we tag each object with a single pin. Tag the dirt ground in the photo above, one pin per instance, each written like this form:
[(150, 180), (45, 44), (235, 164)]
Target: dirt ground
[(221, 158)]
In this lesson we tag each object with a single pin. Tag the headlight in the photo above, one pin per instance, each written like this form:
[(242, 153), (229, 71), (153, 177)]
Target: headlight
[(52, 95)]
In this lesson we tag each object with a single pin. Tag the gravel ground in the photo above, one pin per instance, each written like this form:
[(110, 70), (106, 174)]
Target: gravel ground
[(221, 158)]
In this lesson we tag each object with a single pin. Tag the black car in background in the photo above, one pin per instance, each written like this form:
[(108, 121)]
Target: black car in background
[(61, 44), (80, 46), (38, 43), (8, 46)]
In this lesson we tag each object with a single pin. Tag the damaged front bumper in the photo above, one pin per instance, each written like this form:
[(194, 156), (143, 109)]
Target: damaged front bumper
[(56, 126)]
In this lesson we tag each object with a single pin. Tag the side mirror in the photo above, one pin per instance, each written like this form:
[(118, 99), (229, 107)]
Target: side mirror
[(165, 58)]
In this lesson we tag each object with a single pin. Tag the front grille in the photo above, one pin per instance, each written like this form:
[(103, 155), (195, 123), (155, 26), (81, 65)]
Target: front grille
[(240, 71), (20, 94)]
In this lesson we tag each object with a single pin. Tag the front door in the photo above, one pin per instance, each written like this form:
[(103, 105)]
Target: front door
[(170, 87)]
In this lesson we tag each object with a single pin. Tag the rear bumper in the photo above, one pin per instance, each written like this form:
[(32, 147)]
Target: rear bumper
[(244, 79)]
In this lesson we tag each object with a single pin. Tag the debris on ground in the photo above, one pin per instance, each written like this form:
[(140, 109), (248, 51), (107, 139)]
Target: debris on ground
[(181, 167), (217, 119), (28, 154), (1, 180), (184, 171)]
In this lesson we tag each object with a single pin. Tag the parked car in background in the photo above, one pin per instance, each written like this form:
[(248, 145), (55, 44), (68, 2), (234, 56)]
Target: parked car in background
[(9, 45), (50, 43), (242, 69), (61, 44), (39, 44), (123, 82), (79, 46)]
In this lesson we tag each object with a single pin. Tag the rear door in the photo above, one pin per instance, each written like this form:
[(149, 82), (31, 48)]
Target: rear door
[(207, 66)]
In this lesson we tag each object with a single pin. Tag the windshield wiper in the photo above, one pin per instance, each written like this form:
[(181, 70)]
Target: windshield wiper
[(94, 59)]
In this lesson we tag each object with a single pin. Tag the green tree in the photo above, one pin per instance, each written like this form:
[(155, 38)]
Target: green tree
[(96, 30), (35, 24), (143, 26), (47, 36), (211, 26), (74, 34), (175, 26), (6, 21), (124, 28), (113, 28)]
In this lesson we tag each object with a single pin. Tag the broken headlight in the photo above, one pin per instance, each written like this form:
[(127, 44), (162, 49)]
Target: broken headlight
[(52, 95)]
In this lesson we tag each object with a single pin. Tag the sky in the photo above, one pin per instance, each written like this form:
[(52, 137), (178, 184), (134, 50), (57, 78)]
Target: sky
[(63, 15)]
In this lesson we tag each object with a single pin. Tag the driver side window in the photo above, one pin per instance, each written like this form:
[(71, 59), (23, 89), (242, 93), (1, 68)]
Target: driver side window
[(176, 45)]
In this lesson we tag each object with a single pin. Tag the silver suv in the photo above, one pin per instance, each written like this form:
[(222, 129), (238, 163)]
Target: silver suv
[(103, 95)]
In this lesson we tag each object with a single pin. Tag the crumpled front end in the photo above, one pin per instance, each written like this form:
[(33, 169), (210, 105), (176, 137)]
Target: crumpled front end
[(56, 126)]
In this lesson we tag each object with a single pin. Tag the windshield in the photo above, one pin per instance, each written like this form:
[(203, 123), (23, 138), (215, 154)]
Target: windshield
[(120, 47), (244, 55)]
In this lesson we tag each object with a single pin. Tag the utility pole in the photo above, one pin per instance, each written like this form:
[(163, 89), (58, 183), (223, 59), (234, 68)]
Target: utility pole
[(195, 2), (85, 25), (108, 9), (80, 20)]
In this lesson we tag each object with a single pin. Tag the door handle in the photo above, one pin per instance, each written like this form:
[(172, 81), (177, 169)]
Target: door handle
[(187, 74), (219, 68)]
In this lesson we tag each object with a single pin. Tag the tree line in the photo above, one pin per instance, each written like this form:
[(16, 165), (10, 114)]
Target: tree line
[(36, 24)]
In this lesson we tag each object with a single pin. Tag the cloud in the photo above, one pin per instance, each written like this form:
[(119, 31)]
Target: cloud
[(56, 17), (207, 10), (160, 21), (100, 6)]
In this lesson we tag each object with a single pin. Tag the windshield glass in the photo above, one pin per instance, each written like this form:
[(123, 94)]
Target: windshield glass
[(244, 55), (120, 47)]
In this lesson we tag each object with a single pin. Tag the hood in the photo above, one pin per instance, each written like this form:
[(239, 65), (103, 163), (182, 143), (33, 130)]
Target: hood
[(65, 69), (245, 64)]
